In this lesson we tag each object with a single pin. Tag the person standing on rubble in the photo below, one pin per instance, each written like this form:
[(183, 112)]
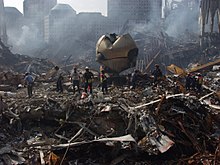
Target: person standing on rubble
[(29, 80), (59, 79), (103, 79), (134, 79), (88, 79), (75, 77), (199, 82), (193, 82), (157, 73), (60, 83), (188, 82)]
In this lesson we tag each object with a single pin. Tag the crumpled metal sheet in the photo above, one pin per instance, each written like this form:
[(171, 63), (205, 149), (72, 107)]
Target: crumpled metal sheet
[(119, 55)]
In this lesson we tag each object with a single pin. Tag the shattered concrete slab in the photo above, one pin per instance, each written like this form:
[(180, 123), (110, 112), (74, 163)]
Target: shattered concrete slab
[(64, 128)]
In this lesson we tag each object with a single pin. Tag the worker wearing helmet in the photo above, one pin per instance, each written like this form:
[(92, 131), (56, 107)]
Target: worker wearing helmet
[(103, 79), (88, 79), (188, 82), (75, 79)]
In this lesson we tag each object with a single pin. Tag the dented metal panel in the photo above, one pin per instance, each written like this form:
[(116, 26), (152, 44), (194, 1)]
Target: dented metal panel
[(117, 55)]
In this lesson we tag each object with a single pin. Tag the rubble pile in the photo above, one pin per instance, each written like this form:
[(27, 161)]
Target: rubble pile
[(124, 127), (20, 63), (159, 47)]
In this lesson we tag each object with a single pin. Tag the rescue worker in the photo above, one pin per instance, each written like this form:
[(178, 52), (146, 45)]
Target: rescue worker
[(88, 78), (75, 77), (134, 78), (29, 80), (59, 79), (193, 82), (157, 73), (60, 83), (188, 82), (128, 78), (103, 79), (199, 82)]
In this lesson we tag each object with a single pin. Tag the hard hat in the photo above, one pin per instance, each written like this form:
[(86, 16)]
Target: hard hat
[(87, 68), (84, 95), (56, 67)]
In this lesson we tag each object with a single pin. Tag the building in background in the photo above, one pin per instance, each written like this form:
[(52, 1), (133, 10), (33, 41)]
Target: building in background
[(64, 31), (34, 13), (60, 23), (92, 24), (3, 34), (37, 9), (181, 16), (14, 22), (135, 10)]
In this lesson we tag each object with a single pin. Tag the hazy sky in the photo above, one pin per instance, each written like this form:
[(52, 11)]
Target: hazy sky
[(78, 5)]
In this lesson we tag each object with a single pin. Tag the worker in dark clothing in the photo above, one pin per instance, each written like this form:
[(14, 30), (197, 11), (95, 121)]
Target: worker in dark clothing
[(134, 78), (30, 82), (193, 82), (188, 82), (113, 37), (60, 83), (59, 79), (157, 73), (199, 82), (75, 79), (103, 79), (88, 78)]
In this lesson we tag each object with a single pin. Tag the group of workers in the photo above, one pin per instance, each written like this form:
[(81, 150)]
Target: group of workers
[(157, 76), (194, 82), (75, 78), (88, 78)]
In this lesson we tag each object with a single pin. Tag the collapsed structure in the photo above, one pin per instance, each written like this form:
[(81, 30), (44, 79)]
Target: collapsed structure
[(149, 125), (153, 124)]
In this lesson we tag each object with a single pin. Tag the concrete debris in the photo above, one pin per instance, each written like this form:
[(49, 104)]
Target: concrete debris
[(12, 63), (148, 125), (149, 119)]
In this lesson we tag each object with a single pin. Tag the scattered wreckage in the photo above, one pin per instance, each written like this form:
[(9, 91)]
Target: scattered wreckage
[(11, 63), (148, 126)]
